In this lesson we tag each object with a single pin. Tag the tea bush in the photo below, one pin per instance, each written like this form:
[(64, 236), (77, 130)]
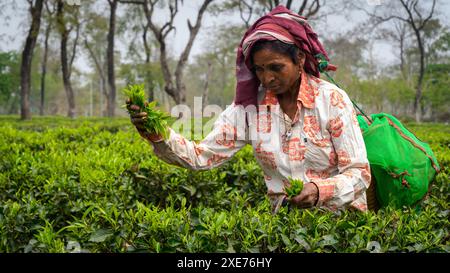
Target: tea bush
[(93, 185)]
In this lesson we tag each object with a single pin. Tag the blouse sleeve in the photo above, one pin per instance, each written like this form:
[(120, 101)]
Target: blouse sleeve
[(227, 137), (349, 186)]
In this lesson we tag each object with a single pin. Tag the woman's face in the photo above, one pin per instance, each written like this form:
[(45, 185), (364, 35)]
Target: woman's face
[(277, 72)]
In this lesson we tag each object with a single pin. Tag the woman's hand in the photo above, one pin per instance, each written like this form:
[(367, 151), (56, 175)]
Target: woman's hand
[(138, 119), (307, 198)]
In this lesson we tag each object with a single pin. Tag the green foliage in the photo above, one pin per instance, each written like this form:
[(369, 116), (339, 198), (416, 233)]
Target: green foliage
[(436, 90), (93, 185), (9, 77), (295, 188), (156, 121)]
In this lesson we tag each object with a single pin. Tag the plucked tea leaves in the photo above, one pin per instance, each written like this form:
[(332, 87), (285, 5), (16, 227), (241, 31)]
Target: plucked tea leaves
[(156, 120), (295, 188)]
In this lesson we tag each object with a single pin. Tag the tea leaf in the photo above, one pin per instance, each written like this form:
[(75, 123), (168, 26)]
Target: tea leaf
[(100, 235)]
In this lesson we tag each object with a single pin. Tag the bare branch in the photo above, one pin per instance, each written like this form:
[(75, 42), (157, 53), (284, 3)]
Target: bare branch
[(429, 16), (149, 8), (288, 4), (302, 7), (146, 46), (49, 11), (74, 48), (414, 5), (96, 61), (177, 90), (241, 12), (411, 17), (381, 19), (313, 9), (168, 27), (193, 34), (270, 5)]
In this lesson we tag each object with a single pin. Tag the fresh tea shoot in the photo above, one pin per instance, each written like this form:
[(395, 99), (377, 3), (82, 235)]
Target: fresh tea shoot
[(295, 188), (156, 121)]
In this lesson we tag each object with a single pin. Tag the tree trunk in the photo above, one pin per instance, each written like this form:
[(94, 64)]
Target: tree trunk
[(417, 24), (64, 61), (13, 109), (417, 108), (66, 78), (206, 87), (27, 57), (44, 69), (101, 73), (193, 31), (148, 74), (111, 99), (402, 57), (178, 90)]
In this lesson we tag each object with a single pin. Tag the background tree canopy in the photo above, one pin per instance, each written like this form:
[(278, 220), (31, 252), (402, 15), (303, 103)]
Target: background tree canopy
[(392, 57)]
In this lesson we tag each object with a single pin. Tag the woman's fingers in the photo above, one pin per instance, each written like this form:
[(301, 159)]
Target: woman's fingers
[(133, 107), (139, 115), (138, 120), (307, 198)]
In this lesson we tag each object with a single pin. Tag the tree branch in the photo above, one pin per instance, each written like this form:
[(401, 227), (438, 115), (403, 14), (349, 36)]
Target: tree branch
[(429, 16), (302, 7), (168, 27), (313, 10), (288, 4), (241, 12), (96, 62), (193, 33), (411, 17), (149, 7), (381, 19), (146, 46), (414, 6), (74, 48)]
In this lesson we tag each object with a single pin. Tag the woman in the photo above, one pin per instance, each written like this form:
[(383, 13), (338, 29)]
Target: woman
[(302, 128)]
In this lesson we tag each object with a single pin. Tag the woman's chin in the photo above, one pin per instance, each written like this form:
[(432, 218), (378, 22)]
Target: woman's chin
[(277, 91)]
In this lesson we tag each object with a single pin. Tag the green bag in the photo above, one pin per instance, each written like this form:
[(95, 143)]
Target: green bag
[(402, 165)]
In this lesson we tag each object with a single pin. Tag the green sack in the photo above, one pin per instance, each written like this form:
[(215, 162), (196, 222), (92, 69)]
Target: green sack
[(402, 165)]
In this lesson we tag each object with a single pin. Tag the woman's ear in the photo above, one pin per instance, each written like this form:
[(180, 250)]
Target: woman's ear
[(301, 59)]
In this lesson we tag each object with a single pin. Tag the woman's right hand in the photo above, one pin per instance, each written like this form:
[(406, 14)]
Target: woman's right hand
[(138, 119)]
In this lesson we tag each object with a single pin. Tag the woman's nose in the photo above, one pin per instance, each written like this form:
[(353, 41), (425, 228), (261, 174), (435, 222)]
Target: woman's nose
[(267, 78)]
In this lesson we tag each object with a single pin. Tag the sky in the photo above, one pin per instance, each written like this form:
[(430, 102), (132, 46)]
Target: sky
[(15, 32)]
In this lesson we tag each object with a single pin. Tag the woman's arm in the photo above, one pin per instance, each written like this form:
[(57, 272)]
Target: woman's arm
[(348, 187), (226, 138)]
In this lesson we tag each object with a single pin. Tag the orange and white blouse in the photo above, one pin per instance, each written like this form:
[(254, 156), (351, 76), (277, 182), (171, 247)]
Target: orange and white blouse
[(323, 144)]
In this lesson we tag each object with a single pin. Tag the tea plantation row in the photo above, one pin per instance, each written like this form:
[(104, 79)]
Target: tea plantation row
[(93, 185)]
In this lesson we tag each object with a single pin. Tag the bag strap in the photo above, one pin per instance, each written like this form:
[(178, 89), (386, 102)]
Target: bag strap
[(323, 63)]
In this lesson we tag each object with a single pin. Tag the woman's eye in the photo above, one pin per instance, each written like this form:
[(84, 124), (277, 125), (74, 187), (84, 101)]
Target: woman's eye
[(277, 68), (258, 69)]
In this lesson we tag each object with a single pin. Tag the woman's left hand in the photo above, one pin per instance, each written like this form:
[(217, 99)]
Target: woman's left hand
[(307, 197)]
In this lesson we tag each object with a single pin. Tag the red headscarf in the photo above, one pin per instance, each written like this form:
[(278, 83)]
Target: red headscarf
[(286, 26)]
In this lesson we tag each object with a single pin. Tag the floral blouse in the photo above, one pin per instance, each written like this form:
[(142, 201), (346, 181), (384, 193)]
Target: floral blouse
[(323, 144)]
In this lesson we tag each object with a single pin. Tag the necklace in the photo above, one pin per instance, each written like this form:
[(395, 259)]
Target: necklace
[(287, 132)]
